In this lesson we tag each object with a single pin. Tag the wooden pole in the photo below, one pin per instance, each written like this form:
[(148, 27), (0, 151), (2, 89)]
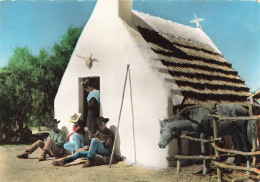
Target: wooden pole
[(194, 157), (235, 151), (215, 130), (197, 157), (179, 144), (200, 140), (179, 152), (225, 166), (240, 118), (178, 166), (113, 149), (251, 113), (132, 108)]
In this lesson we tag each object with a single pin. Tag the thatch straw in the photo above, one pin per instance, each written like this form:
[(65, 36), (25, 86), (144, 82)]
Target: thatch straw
[(214, 92), (179, 73), (169, 58), (188, 57), (203, 81), (210, 86), (203, 75), (196, 64), (201, 54), (189, 44), (197, 99)]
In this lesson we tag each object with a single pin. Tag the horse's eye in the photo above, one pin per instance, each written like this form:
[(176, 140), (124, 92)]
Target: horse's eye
[(161, 131)]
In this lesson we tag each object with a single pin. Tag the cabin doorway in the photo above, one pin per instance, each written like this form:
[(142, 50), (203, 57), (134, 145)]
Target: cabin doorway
[(83, 107)]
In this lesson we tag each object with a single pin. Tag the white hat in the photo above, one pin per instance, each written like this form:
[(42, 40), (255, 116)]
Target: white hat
[(75, 117)]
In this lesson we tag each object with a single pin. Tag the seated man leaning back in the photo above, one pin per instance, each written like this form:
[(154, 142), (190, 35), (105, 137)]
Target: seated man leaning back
[(77, 133), (52, 145), (101, 143)]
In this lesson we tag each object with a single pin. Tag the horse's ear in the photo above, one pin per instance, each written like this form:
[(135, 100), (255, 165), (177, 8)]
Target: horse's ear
[(161, 123)]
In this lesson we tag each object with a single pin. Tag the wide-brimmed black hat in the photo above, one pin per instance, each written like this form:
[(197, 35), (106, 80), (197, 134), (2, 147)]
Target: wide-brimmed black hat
[(54, 123), (99, 119)]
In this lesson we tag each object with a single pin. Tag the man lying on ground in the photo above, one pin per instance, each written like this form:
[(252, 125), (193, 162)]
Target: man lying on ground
[(101, 143), (52, 145)]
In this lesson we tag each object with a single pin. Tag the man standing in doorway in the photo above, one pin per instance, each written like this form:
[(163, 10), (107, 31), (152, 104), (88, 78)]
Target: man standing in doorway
[(93, 101)]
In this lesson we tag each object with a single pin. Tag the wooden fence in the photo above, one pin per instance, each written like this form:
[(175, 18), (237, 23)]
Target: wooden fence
[(217, 157)]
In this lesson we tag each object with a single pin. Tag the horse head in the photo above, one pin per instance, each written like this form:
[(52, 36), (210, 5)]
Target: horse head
[(167, 133)]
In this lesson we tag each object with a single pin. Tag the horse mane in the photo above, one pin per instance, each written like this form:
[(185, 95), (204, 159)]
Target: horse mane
[(182, 115), (212, 108), (208, 107)]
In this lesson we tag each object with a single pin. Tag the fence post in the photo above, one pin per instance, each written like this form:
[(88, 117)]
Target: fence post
[(215, 130), (251, 113), (179, 152)]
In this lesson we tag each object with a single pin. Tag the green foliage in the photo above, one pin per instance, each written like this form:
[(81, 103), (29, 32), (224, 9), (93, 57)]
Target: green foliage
[(17, 85), (28, 84)]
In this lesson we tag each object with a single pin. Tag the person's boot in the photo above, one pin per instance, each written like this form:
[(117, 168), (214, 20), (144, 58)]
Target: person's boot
[(106, 159), (43, 155), (88, 163), (58, 163), (23, 155)]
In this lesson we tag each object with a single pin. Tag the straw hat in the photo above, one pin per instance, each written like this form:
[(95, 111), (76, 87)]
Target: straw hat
[(75, 117)]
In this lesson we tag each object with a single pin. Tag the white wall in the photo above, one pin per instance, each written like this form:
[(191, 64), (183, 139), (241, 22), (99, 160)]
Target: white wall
[(110, 42)]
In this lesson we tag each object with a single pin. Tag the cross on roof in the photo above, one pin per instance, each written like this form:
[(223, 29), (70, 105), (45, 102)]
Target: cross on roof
[(197, 20)]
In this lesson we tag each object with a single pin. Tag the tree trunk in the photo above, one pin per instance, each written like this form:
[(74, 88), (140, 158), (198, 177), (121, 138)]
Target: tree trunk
[(19, 124)]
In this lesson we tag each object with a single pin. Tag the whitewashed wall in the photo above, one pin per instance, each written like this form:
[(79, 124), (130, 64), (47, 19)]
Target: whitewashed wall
[(110, 42)]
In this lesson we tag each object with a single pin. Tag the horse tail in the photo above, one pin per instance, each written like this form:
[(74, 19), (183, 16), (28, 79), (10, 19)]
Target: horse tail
[(251, 131)]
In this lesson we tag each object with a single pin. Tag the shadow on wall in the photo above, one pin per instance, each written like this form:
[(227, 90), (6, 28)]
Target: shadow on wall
[(117, 144), (65, 130)]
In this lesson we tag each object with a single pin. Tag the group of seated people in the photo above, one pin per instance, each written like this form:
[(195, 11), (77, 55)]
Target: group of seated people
[(54, 145), (93, 133)]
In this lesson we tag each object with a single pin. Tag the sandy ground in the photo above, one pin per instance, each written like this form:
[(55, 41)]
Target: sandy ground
[(31, 170)]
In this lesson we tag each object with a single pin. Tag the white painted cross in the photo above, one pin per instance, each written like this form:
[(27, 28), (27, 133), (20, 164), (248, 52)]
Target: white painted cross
[(197, 20)]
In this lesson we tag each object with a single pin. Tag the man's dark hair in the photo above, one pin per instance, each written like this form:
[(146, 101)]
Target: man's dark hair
[(89, 82)]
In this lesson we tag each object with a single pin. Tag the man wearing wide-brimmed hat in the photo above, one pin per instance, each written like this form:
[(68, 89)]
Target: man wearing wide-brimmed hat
[(101, 143), (78, 133), (52, 145)]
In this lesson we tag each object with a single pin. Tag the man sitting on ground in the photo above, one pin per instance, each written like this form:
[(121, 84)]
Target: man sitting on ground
[(52, 145), (101, 143)]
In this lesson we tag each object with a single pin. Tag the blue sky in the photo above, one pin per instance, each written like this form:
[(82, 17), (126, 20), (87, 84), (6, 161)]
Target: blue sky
[(234, 26), (38, 24)]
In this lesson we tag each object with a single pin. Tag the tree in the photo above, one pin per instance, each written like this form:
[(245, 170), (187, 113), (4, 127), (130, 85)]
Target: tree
[(28, 84), (17, 86), (6, 112), (53, 66)]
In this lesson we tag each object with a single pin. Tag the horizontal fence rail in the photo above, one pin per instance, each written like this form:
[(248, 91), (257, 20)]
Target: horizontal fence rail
[(224, 118), (235, 151), (226, 166)]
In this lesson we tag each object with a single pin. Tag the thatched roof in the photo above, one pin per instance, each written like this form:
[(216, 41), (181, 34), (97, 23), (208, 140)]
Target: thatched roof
[(202, 74)]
